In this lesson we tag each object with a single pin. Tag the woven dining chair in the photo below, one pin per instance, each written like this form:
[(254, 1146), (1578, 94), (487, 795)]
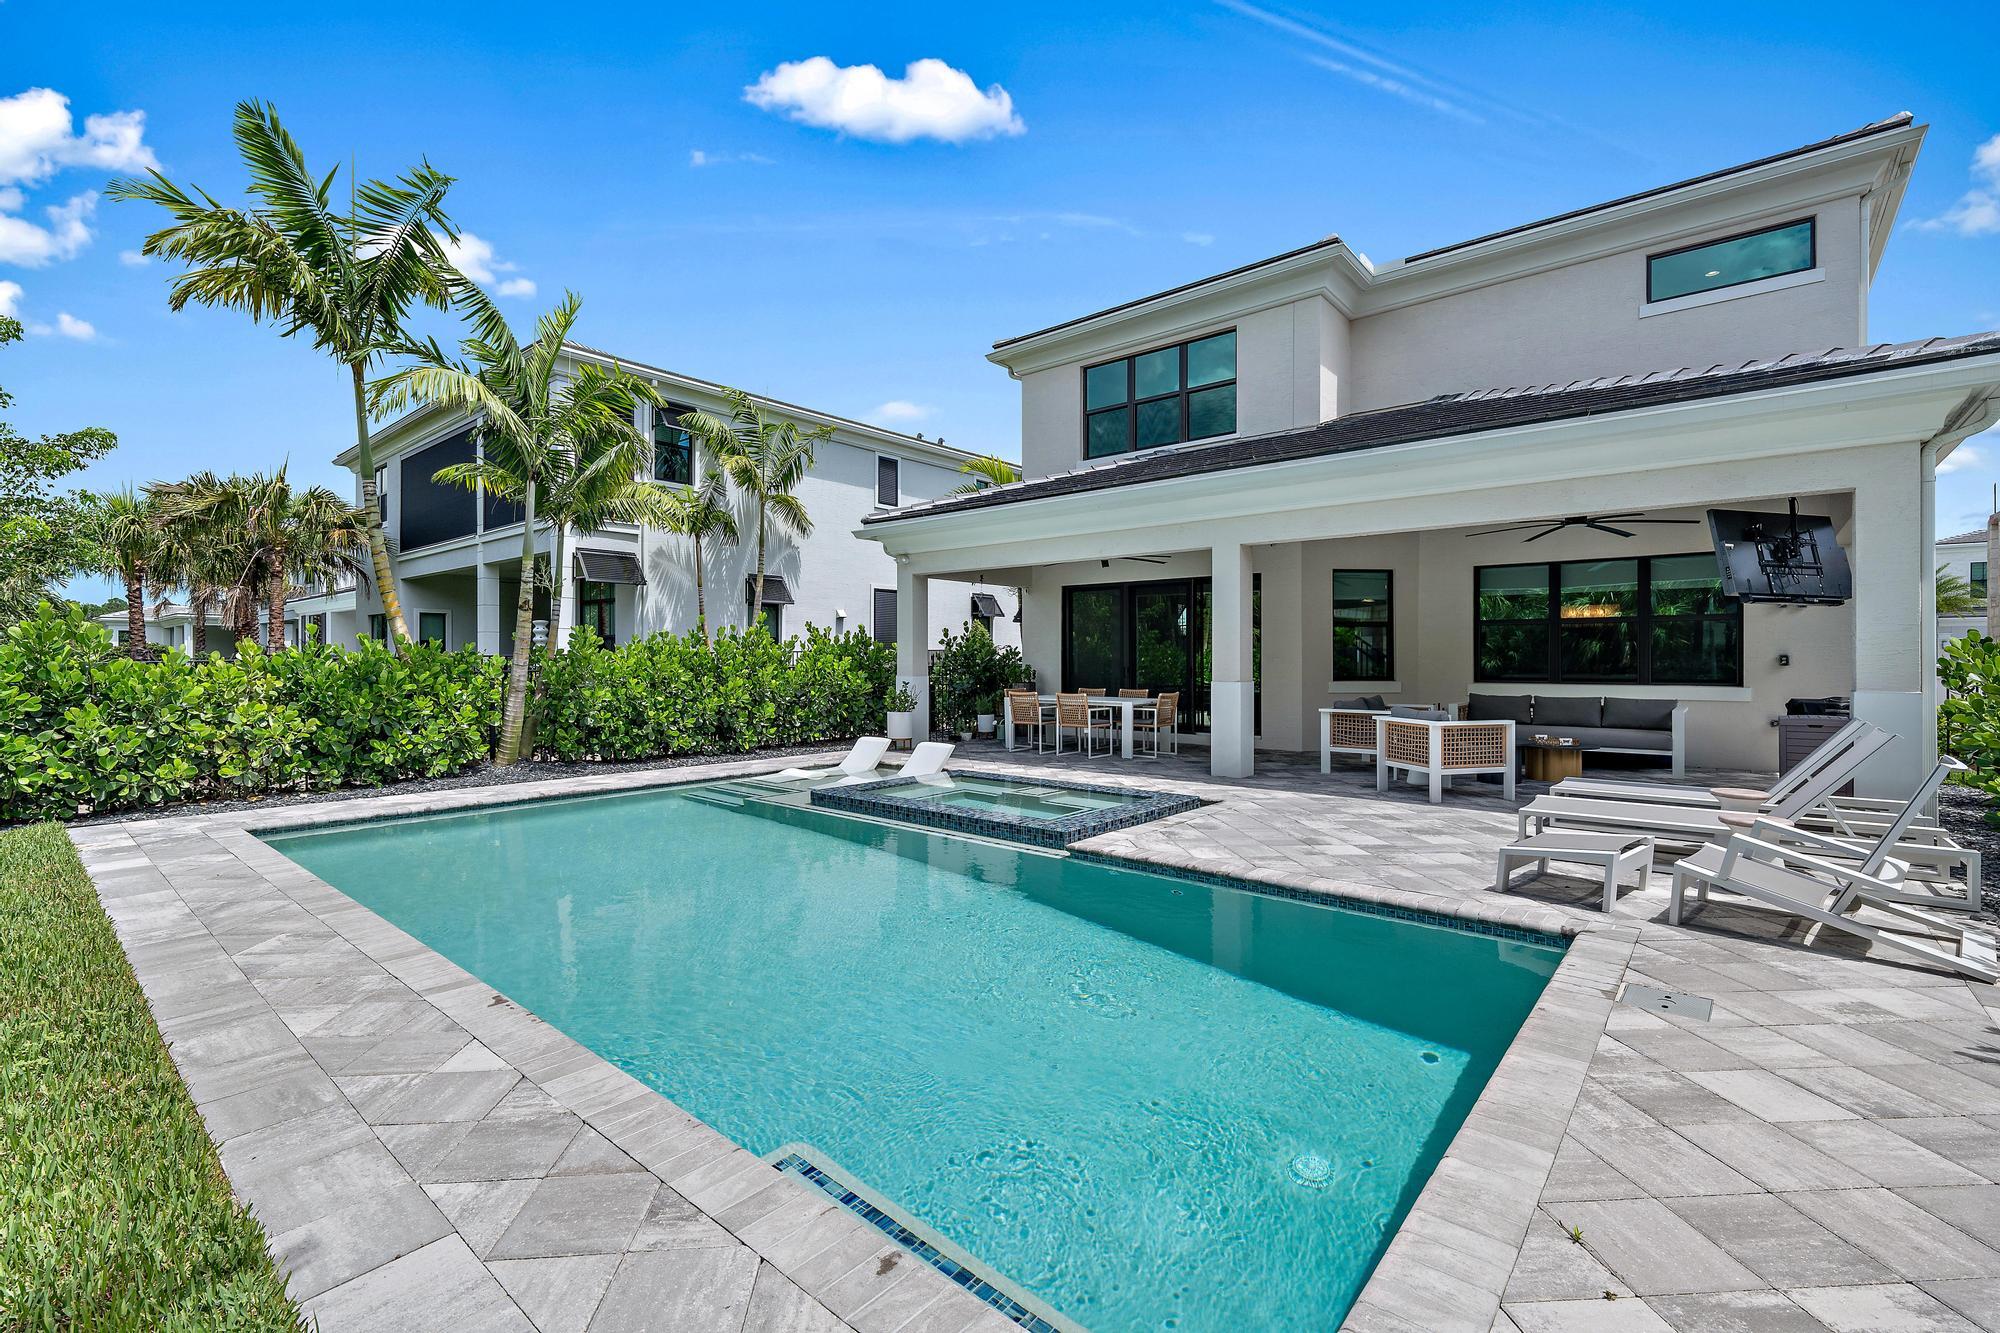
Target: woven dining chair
[(1095, 694), (1075, 713), (1135, 694), (1159, 721), (1027, 710)]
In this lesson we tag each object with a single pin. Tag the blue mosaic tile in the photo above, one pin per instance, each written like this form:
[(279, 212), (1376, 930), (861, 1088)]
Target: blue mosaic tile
[(796, 1164)]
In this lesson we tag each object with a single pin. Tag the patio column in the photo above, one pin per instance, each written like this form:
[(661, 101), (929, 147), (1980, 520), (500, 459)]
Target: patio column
[(1893, 586), (1232, 694), (487, 603), (913, 642)]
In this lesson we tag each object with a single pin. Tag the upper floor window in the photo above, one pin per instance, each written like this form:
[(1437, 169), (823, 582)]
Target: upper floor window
[(1732, 261), (382, 494), (673, 447), (1183, 392), (888, 482)]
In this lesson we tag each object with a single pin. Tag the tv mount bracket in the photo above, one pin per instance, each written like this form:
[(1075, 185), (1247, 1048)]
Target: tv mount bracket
[(1788, 555)]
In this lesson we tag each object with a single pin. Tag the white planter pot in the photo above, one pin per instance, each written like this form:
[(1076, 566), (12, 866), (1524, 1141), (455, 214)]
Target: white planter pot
[(986, 724), (902, 726)]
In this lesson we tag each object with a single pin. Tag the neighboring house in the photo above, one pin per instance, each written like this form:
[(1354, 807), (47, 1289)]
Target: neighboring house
[(459, 554), (1965, 556), (1278, 487), (171, 625)]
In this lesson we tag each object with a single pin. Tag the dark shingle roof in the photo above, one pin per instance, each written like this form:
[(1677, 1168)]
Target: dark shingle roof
[(1465, 414)]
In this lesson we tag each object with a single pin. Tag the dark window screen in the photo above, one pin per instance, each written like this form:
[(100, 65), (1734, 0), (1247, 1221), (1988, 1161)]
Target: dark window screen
[(884, 628), (434, 513)]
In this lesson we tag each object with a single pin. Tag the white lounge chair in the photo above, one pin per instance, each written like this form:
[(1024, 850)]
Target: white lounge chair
[(1690, 823), (1666, 793), (860, 762), (1769, 866), (927, 760), (1897, 853)]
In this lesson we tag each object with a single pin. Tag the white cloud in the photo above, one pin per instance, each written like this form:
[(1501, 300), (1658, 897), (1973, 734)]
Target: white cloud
[(31, 246), (69, 326), (1966, 458), (12, 199), (899, 409), (1198, 237), (133, 259), (699, 158), (10, 297), (1977, 212), (38, 139), (931, 101), (475, 257)]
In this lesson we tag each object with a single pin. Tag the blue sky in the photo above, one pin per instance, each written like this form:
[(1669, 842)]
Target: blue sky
[(1136, 147)]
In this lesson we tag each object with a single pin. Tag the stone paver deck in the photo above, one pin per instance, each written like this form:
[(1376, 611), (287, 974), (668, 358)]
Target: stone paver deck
[(1822, 1153)]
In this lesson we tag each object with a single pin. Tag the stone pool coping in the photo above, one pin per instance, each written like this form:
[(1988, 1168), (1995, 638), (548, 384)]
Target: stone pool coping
[(1446, 1267), (886, 800)]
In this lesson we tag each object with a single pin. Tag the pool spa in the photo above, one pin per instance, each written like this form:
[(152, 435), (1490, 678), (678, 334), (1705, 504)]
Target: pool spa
[(1136, 1099), (1048, 814)]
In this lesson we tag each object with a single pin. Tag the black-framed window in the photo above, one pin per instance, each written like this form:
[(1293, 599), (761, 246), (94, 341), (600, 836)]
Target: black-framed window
[(888, 481), (430, 627), (597, 607), (883, 615), (1768, 252), (1363, 625), (773, 619), (382, 495), (1978, 579), (1645, 620), (1153, 636), (378, 628), (1183, 392), (673, 447)]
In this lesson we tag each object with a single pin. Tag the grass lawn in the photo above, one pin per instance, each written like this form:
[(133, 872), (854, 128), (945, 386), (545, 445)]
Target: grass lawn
[(114, 1213)]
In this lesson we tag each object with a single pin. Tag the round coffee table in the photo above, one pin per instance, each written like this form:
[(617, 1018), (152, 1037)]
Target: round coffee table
[(1548, 762)]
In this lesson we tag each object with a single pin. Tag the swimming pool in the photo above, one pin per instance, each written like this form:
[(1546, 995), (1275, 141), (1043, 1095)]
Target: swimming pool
[(1150, 1101), (1031, 810)]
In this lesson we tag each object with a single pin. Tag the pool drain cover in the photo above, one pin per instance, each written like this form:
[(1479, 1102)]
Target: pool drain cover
[(1312, 1171), (1668, 1002)]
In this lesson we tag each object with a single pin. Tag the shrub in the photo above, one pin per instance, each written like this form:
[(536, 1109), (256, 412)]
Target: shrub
[(674, 694), (85, 729), (1969, 714), (968, 673)]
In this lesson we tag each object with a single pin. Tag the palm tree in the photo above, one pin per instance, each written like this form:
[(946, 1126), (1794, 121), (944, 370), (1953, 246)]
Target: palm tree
[(986, 470), (594, 483), (125, 544), (535, 421), (766, 459), (274, 537), (195, 553), (698, 512), (1956, 597), (346, 279)]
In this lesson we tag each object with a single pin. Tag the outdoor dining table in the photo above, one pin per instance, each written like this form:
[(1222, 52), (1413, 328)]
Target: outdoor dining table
[(1126, 708)]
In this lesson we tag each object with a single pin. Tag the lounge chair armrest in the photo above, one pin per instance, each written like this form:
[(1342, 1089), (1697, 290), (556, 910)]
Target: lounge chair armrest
[(1848, 873), (1782, 833)]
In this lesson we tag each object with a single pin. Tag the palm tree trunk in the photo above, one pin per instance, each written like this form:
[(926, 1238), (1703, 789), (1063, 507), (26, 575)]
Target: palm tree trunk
[(556, 588), (700, 597), (757, 601), (514, 716), (371, 510), (199, 595), (135, 612), (274, 626)]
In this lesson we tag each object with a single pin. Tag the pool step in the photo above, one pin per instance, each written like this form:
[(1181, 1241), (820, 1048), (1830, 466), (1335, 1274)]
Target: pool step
[(817, 1170), (713, 796)]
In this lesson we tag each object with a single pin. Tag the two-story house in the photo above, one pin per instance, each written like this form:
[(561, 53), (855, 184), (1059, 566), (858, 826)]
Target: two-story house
[(1314, 477), (459, 553), (1965, 556)]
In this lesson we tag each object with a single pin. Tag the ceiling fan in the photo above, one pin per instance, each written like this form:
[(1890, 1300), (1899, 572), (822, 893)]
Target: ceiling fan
[(1601, 522)]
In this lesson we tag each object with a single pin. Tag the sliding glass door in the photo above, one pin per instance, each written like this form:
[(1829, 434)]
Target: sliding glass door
[(1150, 636)]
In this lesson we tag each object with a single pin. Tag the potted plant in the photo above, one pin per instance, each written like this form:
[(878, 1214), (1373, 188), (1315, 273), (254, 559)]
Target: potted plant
[(989, 707), (902, 714)]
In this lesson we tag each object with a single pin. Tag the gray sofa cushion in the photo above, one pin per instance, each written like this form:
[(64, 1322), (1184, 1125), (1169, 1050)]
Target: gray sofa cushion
[(1373, 701), (1353, 705), (1554, 711), (1604, 738), (1640, 714), (1498, 708), (1422, 712)]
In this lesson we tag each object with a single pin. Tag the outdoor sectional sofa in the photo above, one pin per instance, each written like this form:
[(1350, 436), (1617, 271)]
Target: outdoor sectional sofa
[(1655, 727)]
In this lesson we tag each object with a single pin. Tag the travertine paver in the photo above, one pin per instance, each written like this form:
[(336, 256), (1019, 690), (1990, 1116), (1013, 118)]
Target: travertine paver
[(1822, 1153)]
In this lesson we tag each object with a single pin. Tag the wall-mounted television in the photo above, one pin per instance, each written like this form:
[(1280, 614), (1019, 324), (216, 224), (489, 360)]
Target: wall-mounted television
[(1780, 557)]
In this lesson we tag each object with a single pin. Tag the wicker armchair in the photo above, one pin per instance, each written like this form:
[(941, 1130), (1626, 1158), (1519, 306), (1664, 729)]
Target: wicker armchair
[(1441, 751), (1349, 731)]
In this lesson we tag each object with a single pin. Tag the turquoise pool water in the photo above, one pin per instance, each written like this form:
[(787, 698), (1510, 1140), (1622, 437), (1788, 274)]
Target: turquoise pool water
[(1015, 797), (1109, 1085)]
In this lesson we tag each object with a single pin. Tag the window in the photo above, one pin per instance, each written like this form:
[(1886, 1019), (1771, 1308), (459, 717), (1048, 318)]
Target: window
[(1978, 578), (1363, 647), (1184, 392), (433, 513), (883, 616), (1730, 262), (378, 628), (597, 607), (1659, 620), (382, 494), (888, 482), (430, 627), (673, 447), (773, 621)]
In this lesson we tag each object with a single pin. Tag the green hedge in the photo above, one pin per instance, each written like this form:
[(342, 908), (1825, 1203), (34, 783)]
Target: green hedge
[(117, 1214), (673, 694), (1969, 714), (84, 728)]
